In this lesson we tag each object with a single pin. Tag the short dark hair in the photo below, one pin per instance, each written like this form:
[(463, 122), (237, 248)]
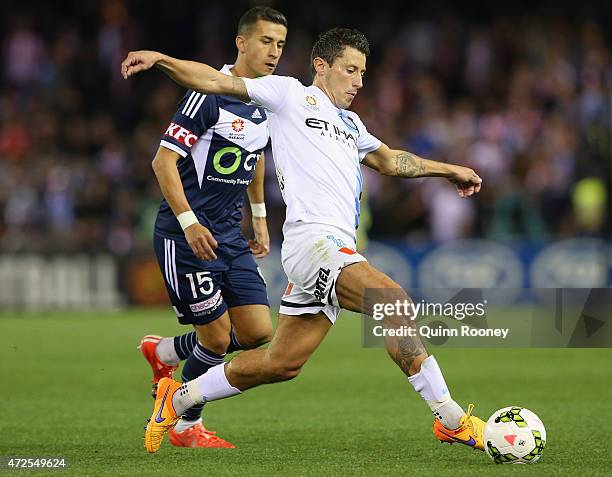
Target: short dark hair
[(250, 17), (331, 44)]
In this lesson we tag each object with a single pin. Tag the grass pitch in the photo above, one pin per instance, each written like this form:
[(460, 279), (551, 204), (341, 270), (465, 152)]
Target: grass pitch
[(75, 385)]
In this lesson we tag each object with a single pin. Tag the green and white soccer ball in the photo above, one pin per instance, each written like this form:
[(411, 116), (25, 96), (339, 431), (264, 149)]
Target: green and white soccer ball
[(514, 435)]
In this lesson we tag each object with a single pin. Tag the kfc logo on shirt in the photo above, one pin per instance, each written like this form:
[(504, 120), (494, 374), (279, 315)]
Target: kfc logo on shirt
[(182, 135)]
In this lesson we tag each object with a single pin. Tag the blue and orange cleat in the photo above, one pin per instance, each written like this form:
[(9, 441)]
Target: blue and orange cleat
[(160, 369), (198, 436), (164, 416), (470, 432)]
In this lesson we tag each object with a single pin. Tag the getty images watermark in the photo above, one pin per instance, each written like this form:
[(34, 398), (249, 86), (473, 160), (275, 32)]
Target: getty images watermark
[(490, 318), (411, 311)]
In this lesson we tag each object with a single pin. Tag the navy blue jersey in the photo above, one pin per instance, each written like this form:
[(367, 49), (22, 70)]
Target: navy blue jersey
[(220, 140)]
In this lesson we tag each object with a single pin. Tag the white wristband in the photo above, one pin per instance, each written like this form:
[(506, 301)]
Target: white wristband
[(186, 219), (258, 210)]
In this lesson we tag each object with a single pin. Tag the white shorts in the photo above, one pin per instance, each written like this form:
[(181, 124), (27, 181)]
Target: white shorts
[(313, 256)]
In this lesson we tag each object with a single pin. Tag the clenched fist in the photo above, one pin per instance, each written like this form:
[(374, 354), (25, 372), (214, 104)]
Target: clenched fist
[(137, 61)]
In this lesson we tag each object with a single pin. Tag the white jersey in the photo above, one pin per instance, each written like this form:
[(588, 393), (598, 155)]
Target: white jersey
[(317, 151)]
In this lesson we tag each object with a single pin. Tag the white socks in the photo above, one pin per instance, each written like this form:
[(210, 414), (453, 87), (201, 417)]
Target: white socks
[(166, 353), (449, 413), (211, 386), (430, 384)]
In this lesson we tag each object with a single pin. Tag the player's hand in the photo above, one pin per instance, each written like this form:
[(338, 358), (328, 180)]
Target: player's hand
[(466, 180), (260, 245), (201, 242), (137, 61)]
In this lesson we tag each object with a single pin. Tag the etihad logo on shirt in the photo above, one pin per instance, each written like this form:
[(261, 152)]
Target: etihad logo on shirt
[(331, 130), (182, 135)]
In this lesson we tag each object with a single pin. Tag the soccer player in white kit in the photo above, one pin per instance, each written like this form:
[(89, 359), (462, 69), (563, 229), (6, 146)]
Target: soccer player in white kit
[(318, 147)]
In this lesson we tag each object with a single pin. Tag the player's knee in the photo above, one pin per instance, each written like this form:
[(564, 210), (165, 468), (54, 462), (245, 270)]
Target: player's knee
[(286, 373), (278, 372), (215, 342), (256, 338), (265, 334), (390, 291)]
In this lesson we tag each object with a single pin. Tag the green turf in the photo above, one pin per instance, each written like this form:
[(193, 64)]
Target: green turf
[(76, 386)]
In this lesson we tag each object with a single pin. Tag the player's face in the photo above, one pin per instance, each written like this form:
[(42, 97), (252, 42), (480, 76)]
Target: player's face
[(345, 76), (263, 47)]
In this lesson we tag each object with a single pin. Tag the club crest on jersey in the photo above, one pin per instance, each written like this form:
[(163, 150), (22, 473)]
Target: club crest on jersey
[(182, 135), (346, 119), (238, 125)]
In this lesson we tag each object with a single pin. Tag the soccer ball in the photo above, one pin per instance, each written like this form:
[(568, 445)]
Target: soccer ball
[(514, 435)]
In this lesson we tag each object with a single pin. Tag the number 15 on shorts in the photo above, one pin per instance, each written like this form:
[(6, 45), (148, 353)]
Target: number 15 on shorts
[(201, 283)]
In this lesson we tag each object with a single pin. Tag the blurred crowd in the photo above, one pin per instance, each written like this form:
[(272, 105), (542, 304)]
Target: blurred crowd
[(525, 99)]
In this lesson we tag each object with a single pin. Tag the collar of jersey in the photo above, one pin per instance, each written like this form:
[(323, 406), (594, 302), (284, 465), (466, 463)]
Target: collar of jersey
[(343, 113), (227, 69), (329, 101)]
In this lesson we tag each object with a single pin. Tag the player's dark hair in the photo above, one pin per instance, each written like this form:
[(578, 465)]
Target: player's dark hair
[(331, 44), (250, 17)]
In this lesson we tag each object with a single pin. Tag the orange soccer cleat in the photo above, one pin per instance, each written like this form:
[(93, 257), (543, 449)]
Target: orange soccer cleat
[(198, 436), (164, 416), (470, 432), (160, 369)]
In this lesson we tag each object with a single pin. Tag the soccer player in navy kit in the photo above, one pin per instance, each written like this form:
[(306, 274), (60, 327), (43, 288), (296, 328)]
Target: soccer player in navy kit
[(209, 155)]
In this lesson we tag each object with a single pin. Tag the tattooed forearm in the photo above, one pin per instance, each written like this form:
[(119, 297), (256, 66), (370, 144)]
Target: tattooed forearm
[(239, 89), (408, 165)]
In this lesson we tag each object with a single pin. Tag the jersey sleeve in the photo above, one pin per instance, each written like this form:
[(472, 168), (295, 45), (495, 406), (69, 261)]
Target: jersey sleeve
[(196, 113), (271, 92), (366, 142)]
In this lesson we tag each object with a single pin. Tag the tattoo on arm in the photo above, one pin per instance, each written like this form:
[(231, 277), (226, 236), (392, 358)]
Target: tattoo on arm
[(408, 165), (239, 89)]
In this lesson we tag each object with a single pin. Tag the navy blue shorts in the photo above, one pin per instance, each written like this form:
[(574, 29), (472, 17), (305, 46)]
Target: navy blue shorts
[(201, 291)]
